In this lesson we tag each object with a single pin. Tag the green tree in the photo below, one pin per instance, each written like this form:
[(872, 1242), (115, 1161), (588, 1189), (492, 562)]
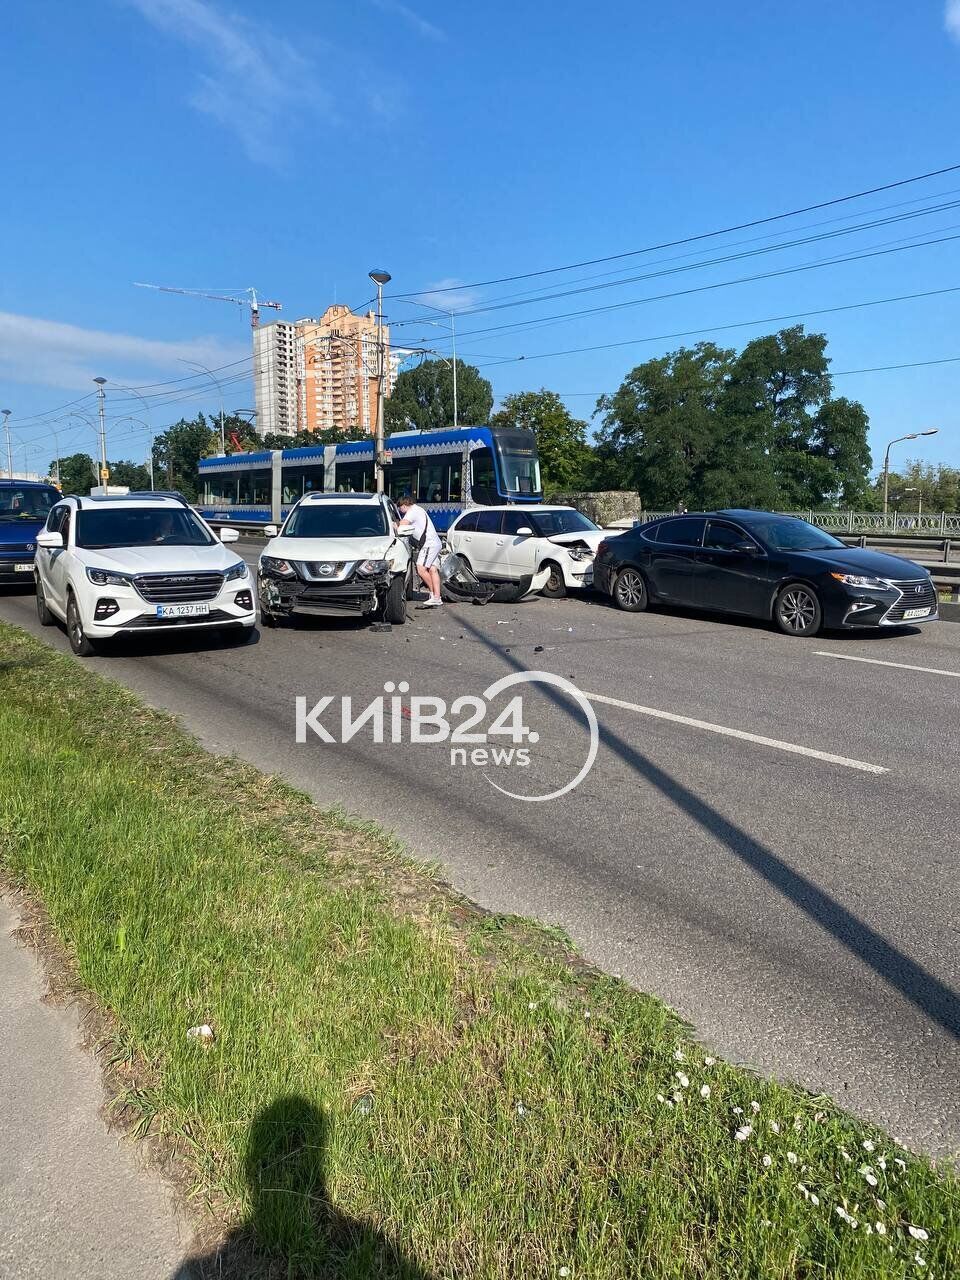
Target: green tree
[(561, 438), (77, 473), (177, 453), (938, 485), (422, 398), (132, 474)]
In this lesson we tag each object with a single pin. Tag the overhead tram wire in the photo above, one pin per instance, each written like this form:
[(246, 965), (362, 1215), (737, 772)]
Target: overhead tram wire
[(817, 264), (495, 304), (671, 244), (715, 328)]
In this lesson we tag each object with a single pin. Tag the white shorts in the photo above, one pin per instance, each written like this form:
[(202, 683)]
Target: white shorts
[(429, 554)]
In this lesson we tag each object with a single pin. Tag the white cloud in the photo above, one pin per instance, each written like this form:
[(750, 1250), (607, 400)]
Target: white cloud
[(51, 354), (253, 80), (951, 18), (452, 297), (420, 25)]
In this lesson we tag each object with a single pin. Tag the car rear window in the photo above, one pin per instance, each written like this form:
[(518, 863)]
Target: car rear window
[(681, 533), (467, 523), (488, 521)]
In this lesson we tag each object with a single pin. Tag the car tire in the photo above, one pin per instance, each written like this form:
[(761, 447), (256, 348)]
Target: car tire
[(394, 608), (556, 588), (80, 642), (411, 583), (797, 610), (44, 616), (629, 590)]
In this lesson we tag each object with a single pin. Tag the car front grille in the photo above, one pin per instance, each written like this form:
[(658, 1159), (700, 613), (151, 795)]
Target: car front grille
[(16, 548), (917, 593), (178, 588)]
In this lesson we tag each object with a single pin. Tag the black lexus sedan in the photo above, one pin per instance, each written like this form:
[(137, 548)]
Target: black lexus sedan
[(763, 565)]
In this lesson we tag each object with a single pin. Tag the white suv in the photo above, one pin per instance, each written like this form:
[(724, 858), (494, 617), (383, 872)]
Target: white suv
[(140, 562), (337, 553), (511, 542)]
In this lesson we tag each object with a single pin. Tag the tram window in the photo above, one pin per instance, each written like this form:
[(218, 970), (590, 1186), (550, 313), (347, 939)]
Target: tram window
[(254, 487), (483, 481), (402, 477), (433, 481), (355, 477)]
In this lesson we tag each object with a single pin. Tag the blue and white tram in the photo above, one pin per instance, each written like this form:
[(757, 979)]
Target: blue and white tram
[(444, 470)]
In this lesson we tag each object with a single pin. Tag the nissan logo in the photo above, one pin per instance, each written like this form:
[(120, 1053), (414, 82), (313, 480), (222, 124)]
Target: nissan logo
[(324, 570)]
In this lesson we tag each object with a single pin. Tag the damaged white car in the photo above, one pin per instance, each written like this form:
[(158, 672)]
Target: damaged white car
[(555, 546)]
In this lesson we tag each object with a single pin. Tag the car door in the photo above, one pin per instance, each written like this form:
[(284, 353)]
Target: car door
[(732, 571), (673, 559), (56, 560), (486, 549), (522, 551)]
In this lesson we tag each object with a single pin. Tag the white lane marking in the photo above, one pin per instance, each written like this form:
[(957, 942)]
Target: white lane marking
[(879, 662), (793, 747)]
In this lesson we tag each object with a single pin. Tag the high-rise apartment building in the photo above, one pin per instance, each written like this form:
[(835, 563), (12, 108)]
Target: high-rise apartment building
[(322, 374), (275, 378)]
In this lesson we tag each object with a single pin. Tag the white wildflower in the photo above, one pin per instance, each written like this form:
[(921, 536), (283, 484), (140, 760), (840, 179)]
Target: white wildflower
[(869, 1146), (709, 1062), (848, 1218), (869, 1176), (738, 1111), (791, 1156), (754, 1107), (532, 1004), (846, 1155), (661, 1098), (814, 1199), (767, 1161), (803, 1191), (818, 1116), (684, 1080), (919, 1259), (918, 1233), (521, 1109), (564, 1271), (881, 1204), (678, 1096), (586, 1013), (774, 1127), (704, 1091), (678, 1054), (901, 1163), (880, 1228), (744, 1132)]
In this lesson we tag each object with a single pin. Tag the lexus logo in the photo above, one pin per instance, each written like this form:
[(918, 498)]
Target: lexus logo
[(920, 590)]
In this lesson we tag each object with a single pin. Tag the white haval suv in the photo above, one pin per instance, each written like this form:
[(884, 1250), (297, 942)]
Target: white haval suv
[(139, 562)]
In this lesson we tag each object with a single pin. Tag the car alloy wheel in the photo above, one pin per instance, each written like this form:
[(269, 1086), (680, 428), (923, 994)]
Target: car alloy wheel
[(630, 590), (798, 611)]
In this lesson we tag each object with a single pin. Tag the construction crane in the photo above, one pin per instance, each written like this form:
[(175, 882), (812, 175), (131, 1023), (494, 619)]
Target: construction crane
[(251, 301)]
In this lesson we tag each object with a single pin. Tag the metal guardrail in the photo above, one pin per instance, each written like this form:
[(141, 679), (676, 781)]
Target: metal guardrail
[(936, 523)]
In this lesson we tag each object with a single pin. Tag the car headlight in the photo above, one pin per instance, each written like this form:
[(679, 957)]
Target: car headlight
[(579, 553), (282, 567), (238, 570), (370, 567), (858, 580), (107, 578)]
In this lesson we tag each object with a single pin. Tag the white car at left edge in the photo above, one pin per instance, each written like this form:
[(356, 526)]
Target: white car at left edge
[(137, 562)]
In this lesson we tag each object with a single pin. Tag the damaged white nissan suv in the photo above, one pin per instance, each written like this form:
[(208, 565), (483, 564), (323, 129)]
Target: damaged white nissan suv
[(138, 562)]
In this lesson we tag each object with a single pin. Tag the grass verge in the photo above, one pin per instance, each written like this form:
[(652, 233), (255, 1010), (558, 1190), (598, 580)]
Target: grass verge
[(401, 1085)]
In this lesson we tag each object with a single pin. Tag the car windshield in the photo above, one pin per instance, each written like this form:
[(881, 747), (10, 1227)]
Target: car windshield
[(141, 527), (794, 535), (26, 503), (549, 523), (336, 520)]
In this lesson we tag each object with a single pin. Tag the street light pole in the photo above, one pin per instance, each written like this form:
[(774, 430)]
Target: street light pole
[(379, 278), (6, 427), (914, 435), (197, 365), (101, 396)]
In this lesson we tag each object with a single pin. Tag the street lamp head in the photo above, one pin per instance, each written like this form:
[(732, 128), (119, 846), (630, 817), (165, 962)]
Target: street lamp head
[(932, 432), (379, 276), (100, 381), (6, 412)]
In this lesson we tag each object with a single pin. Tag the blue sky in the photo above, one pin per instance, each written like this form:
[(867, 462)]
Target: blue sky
[(294, 146)]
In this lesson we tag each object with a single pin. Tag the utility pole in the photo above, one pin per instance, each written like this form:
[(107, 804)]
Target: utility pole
[(101, 397), (914, 435), (379, 278), (6, 427)]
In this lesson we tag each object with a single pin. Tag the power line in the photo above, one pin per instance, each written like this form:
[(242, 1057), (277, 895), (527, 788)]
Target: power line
[(720, 328), (671, 244)]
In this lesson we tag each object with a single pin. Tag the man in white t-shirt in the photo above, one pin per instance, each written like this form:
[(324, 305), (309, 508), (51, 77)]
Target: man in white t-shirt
[(417, 524)]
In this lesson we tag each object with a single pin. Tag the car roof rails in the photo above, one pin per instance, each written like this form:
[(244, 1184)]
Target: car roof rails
[(76, 497), (158, 493)]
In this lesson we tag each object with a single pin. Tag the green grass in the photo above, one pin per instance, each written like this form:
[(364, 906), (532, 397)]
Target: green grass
[(401, 1085)]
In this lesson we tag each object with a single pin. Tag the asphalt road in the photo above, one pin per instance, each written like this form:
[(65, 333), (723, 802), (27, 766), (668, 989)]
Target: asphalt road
[(790, 887)]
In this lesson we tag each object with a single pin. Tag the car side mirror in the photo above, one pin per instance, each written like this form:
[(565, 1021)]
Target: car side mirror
[(229, 535), (748, 548), (270, 531), (52, 541), (525, 532)]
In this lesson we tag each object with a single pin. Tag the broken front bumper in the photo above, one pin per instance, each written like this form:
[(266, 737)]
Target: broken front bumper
[(283, 596)]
